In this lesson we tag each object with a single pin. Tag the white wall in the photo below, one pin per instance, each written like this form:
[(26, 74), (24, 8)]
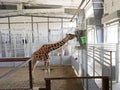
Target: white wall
[(111, 6)]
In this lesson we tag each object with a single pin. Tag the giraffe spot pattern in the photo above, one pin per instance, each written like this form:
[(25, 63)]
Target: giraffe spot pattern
[(42, 53)]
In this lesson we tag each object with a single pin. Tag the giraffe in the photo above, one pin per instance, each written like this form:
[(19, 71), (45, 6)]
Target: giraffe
[(43, 53)]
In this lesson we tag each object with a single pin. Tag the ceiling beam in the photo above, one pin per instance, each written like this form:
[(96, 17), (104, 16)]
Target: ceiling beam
[(43, 16), (24, 6), (8, 7), (78, 10)]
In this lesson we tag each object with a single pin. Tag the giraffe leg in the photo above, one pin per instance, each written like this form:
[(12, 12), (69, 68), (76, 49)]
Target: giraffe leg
[(47, 66), (34, 62)]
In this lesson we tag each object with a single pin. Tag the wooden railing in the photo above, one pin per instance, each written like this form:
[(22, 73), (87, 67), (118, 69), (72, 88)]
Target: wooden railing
[(13, 59), (105, 81)]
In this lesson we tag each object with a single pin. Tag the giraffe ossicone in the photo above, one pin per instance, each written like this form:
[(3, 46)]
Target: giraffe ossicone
[(43, 53)]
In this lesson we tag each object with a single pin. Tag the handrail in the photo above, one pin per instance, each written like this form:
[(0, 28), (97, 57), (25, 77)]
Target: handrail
[(107, 47), (96, 54), (14, 59), (105, 81), (101, 56), (99, 61)]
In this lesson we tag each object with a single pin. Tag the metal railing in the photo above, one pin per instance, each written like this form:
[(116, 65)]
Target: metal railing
[(100, 61)]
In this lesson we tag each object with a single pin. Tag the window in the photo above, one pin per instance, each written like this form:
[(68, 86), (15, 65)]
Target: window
[(111, 35)]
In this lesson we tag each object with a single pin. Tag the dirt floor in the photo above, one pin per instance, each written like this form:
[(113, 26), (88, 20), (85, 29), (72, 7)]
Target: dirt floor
[(21, 78)]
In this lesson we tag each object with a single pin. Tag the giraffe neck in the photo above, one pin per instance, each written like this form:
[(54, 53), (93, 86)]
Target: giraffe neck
[(59, 44)]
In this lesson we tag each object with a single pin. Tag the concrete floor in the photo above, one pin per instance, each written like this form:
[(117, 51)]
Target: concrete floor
[(21, 79), (116, 86)]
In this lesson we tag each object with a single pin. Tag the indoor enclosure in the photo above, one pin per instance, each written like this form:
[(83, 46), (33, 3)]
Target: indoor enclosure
[(90, 61)]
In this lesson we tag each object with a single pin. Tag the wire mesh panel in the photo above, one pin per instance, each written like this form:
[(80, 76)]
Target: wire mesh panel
[(55, 36), (40, 35), (27, 43), (16, 43), (5, 43)]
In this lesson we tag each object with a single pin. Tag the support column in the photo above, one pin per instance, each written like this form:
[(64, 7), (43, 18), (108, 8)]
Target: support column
[(30, 76), (32, 29), (98, 13), (48, 30), (61, 56), (9, 30)]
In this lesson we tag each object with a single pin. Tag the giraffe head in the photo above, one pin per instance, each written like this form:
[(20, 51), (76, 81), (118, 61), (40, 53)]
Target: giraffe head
[(70, 36)]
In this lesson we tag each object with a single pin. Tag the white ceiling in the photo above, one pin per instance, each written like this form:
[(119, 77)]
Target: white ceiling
[(46, 7), (64, 3)]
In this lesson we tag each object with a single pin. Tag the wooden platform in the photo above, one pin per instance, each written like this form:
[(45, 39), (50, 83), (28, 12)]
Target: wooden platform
[(21, 79)]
